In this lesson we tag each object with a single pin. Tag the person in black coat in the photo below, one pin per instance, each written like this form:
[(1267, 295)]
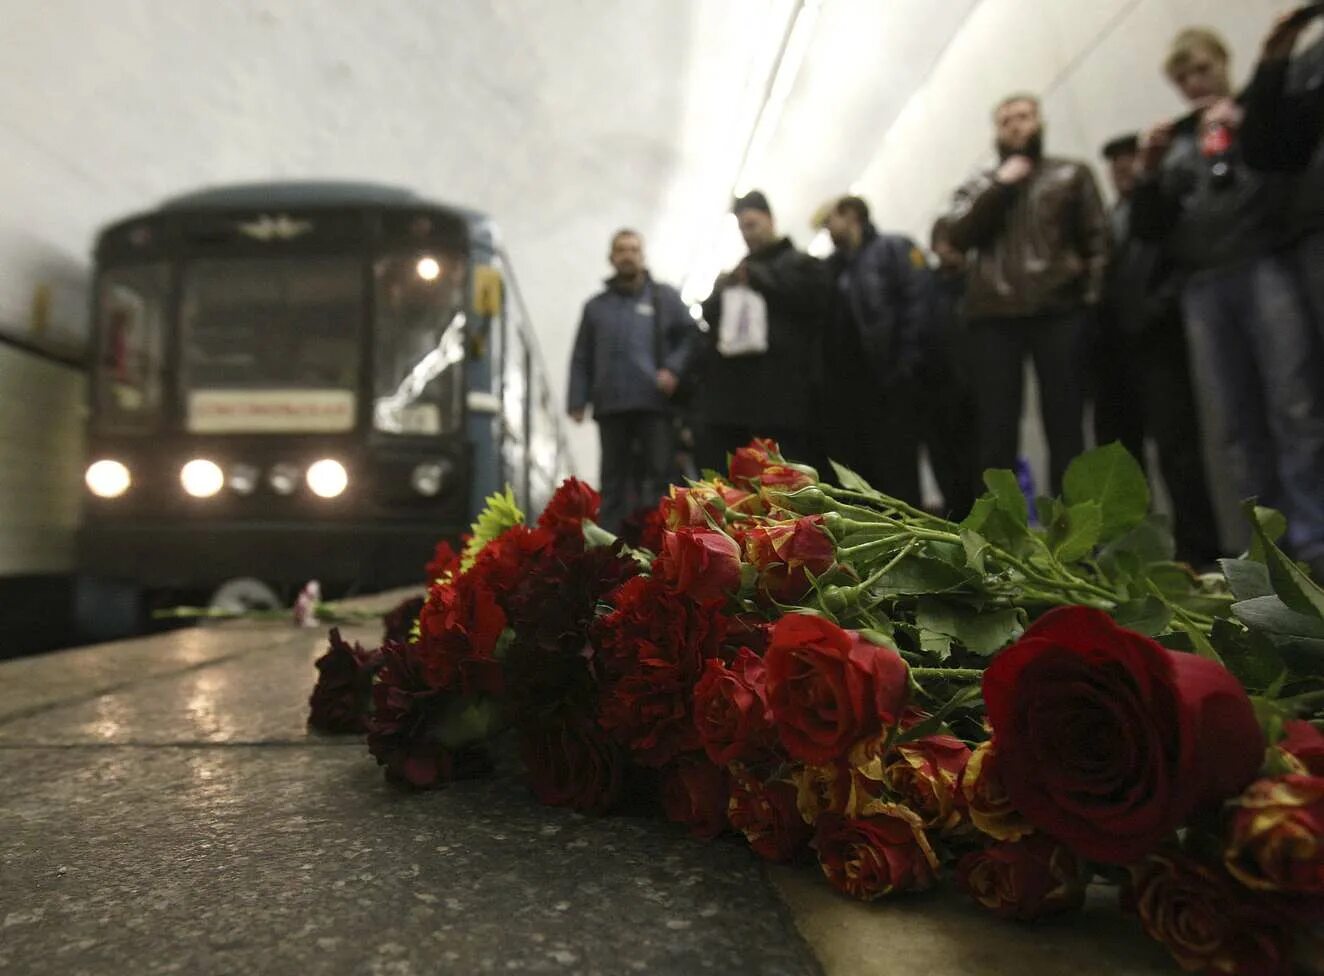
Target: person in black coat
[(754, 383), (879, 306)]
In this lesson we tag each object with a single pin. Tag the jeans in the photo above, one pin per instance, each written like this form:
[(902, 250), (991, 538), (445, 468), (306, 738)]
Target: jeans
[(1257, 360), (637, 449), (998, 347)]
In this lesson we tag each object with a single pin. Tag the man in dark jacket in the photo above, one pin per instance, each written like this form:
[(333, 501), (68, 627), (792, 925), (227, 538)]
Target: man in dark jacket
[(871, 349), (764, 387), (1149, 381), (1040, 240), (633, 346), (1282, 133), (1253, 347)]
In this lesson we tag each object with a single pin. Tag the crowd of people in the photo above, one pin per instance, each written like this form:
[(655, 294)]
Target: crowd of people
[(1203, 283)]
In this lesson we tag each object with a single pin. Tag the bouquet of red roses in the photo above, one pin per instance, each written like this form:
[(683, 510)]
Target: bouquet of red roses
[(832, 673)]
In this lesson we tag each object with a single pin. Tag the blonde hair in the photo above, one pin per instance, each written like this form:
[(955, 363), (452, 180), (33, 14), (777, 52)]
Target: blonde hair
[(1190, 42)]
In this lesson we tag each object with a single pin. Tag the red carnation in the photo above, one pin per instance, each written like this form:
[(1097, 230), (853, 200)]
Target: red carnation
[(573, 502), (340, 699), (768, 816), (459, 627), (573, 765), (445, 561), (1107, 740), (694, 793), (786, 553), (701, 563), (829, 687), (731, 709)]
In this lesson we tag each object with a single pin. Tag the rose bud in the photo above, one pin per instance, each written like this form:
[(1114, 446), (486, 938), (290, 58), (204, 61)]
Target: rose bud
[(785, 553), (695, 793), (766, 813), (782, 479), (1302, 746), (1107, 740), (926, 773), (986, 800), (876, 856), (1205, 921), (748, 462), (1275, 838), (573, 766), (1024, 879), (829, 687), (731, 709), (703, 564)]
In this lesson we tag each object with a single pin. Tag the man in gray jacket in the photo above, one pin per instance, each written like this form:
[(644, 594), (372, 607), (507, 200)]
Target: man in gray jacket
[(631, 351)]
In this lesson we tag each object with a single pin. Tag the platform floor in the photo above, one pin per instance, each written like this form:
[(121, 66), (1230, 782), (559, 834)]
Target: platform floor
[(163, 809)]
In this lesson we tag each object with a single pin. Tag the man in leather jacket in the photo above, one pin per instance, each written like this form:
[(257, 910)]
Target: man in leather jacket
[(1039, 239), (767, 392), (871, 350), (1256, 358)]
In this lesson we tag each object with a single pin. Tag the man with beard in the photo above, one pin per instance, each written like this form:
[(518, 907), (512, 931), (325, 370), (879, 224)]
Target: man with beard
[(1039, 239), (880, 302), (760, 370), (632, 348)]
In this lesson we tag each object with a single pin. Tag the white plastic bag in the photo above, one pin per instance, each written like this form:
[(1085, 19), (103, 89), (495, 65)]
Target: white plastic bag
[(744, 326)]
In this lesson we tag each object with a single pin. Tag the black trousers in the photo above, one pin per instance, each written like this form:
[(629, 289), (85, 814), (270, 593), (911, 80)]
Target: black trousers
[(874, 429), (1158, 375), (947, 428), (637, 455), (998, 348)]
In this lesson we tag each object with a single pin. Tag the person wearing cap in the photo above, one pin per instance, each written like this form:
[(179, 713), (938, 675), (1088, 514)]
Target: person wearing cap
[(880, 306), (764, 384), (1142, 378)]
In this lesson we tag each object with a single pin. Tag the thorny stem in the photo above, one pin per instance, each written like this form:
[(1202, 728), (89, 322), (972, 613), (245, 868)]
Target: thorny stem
[(973, 674)]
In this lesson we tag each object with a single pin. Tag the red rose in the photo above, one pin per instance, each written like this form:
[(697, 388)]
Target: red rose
[(1303, 747), (1024, 879), (766, 813), (1107, 740), (731, 709), (573, 502), (1276, 835), (573, 766), (650, 651), (782, 479), (1205, 922), (985, 798), (704, 564), (926, 773), (694, 793), (748, 462), (829, 687), (875, 856), (785, 553)]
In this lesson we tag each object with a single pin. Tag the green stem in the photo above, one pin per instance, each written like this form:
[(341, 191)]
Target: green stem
[(971, 674), (885, 500)]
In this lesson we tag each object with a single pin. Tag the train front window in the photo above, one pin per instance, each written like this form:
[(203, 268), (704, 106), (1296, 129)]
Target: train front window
[(419, 351), (271, 344), (131, 308)]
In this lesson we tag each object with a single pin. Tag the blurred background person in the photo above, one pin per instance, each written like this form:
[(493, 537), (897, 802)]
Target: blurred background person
[(760, 362), (946, 403), (633, 346), (1039, 239), (1143, 381), (1281, 133), (1253, 348), (871, 349)]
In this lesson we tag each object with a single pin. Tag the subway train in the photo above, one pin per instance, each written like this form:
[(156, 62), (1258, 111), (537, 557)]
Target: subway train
[(303, 380)]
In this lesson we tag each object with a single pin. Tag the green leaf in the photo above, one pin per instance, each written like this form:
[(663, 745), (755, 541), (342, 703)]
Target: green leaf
[(934, 722), (980, 632), (1271, 521), (1271, 716), (932, 642), (1110, 476), (1149, 542), (1292, 584), (1147, 615), (976, 546), (500, 512), (1247, 578), (849, 479), (999, 527), (1249, 655), (1271, 615), (1006, 491), (1080, 534), (465, 721), (921, 574)]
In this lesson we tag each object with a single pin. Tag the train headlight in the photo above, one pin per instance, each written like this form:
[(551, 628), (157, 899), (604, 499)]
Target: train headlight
[(327, 478), (201, 478), (107, 479), (427, 479), (243, 479), (283, 478), (428, 268)]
